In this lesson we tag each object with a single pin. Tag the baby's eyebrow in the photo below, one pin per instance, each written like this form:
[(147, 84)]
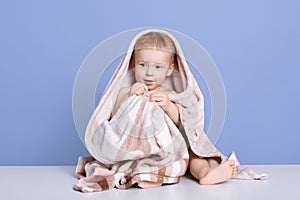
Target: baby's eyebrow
[(156, 63)]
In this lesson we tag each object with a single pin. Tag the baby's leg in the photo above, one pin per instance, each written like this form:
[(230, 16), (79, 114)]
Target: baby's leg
[(208, 175)]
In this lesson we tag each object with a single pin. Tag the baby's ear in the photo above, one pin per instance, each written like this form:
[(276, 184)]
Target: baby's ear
[(170, 70)]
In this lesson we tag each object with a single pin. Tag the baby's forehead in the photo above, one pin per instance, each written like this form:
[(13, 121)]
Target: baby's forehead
[(147, 54), (155, 48)]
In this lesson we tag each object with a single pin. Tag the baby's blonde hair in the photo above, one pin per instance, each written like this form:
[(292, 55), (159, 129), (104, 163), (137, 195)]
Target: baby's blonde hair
[(156, 40)]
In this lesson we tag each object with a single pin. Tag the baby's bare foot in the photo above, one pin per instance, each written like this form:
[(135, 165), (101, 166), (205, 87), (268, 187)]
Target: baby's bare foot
[(147, 184), (219, 174)]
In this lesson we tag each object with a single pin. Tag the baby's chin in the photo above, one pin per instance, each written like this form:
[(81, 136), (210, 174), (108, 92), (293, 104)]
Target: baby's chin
[(152, 88)]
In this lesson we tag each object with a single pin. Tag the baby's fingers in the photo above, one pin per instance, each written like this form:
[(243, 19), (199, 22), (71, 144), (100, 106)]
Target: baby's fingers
[(155, 97), (158, 97), (138, 89), (141, 90)]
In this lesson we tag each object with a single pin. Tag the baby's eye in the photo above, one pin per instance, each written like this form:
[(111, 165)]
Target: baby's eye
[(158, 66), (143, 65)]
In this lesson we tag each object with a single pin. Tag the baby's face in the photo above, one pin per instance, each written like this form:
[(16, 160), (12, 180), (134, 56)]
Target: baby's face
[(152, 66)]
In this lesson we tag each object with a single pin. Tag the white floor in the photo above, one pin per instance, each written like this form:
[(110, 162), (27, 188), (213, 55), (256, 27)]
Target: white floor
[(56, 182)]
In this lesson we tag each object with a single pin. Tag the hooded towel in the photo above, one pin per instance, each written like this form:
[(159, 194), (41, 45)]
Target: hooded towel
[(140, 142)]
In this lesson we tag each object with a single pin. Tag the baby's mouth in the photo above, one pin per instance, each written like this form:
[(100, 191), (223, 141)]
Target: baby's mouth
[(148, 82)]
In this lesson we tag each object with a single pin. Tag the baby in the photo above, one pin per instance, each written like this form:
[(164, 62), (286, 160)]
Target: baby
[(153, 60)]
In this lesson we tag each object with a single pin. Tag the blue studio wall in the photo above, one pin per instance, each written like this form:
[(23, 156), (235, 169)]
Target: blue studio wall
[(255, 45)]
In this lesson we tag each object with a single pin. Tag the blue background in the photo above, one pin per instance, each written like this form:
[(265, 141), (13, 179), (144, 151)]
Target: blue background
[(255, 45)]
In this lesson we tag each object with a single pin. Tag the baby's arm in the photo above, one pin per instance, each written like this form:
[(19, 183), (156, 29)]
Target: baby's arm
[(173, 112), (122, 95)]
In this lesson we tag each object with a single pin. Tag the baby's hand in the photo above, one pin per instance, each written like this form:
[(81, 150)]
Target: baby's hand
[(161, 98), (138, 89)]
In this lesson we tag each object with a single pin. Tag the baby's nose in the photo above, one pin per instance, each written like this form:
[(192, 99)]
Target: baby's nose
[(149, 70)]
